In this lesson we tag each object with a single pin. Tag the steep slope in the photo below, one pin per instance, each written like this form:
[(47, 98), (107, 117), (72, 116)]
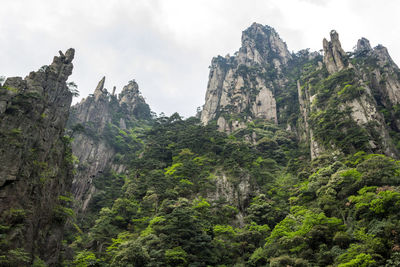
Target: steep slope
[(99, 124), (36, 163)]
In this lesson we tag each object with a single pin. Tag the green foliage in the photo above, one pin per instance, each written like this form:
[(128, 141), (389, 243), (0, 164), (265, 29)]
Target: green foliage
[(179, 202), (335, 127), (86, 259), (38, 262), (62, 213), (350, 92), (331, 117), (378, 200), (176, 257), (15, 257), (122, 140), (361, 260), (73, 88)]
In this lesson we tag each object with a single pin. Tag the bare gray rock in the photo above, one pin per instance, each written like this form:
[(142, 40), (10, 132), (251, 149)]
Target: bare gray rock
[(241, 86), (94, 116), (334, 55), (363, 45)]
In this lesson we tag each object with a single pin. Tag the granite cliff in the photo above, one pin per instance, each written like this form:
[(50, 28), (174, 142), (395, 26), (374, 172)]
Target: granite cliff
[(241, 87), (36, 164), (100, 125), (317, 97)]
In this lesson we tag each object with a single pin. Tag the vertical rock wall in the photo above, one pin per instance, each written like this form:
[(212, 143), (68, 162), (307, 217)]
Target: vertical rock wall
[(241, 88), (36, 163), (90, 122)]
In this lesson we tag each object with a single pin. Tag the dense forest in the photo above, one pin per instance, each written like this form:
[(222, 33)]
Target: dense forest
[(335, 210), (293, 161)]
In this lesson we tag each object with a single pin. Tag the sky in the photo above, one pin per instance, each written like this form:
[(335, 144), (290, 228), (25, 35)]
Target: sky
[(167, 45)]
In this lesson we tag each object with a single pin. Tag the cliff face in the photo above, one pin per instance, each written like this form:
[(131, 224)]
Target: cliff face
[(36, 163), (97, 122), (320, 98), (241, 87), (352, 106)]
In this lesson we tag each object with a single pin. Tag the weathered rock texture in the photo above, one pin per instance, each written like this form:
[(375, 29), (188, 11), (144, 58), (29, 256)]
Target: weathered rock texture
[(235, 195), (365, 86), (334, 55), (36, 168), (241, 87), (302, 92), (95, 123)]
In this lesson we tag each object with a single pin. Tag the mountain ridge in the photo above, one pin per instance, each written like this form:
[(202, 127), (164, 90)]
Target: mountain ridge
[(293, 161)]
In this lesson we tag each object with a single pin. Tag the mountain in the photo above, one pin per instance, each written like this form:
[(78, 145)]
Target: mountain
[(347, 101), (292, 161), (100, 129), (36, 164), (241, 87)]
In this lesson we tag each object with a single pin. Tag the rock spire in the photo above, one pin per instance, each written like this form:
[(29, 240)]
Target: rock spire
[(334, 55)]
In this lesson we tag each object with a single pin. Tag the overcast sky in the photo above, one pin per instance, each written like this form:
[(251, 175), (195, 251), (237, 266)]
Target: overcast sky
[(167, 45)]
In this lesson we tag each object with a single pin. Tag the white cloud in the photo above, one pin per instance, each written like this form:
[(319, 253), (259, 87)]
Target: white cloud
[(167, 45)]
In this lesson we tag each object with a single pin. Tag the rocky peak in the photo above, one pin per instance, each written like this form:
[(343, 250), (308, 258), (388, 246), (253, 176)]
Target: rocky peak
[(98, 115), (240, 87), (129, 92), (261, 44), (131, 99), (99, 91), (334, 55), (383, 56), (35, 169), (363, 45)]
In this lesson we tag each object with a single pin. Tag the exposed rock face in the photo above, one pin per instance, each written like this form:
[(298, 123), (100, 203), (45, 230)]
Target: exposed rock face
[(373, 73), (241, 87), (386, 76), (91, 120), (236, 195), (363, 45), (264, 81), (36, 166), (334, 55), (131, 98), (262, 44), (305, 109)]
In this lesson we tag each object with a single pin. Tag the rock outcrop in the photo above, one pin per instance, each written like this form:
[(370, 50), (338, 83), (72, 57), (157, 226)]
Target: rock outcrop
[(264, 81), (334, 55), (36, 163), (363, 45), (95, 123), (360, 86), (241, 87)]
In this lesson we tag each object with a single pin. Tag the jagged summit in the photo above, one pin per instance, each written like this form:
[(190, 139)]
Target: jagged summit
[(363, 45), (98, 115), (35, 169), (262, 43), (240, 87), (334, 55), (99, 89), (98, 104), (264, 81)]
